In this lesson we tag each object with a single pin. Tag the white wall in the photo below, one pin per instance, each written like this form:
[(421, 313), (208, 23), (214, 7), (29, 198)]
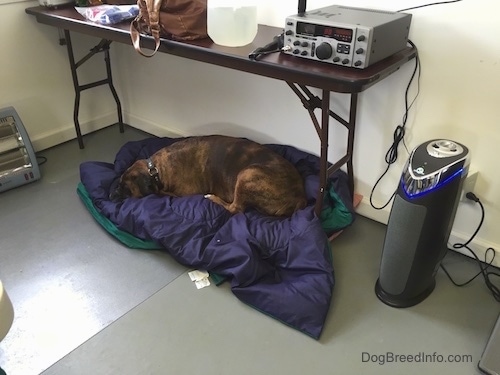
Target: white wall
[(166, 95), (36, 79)]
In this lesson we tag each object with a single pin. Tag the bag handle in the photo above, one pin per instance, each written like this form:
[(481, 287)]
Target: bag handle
[(153, 9)]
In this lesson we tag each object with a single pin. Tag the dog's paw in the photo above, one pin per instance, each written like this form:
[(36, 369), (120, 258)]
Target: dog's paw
[(208, 195)]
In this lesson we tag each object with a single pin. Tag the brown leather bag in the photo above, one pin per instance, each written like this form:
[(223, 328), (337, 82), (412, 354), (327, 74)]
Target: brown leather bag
[(172, 19)]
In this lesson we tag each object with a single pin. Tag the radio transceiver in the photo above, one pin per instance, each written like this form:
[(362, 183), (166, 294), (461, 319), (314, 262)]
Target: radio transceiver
[(347, 36)]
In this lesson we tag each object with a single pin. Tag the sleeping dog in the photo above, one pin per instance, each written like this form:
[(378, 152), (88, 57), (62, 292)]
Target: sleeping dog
[(233, 172)]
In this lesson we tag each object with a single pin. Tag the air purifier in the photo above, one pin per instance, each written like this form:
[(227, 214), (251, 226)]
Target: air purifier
[(420, 221), (18, 164)]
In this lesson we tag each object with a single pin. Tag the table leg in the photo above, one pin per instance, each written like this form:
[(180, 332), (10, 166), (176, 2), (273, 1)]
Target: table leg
[(312, 102), (350, 141), (76, 105), (323, 159), (103, 46), (107, 59)]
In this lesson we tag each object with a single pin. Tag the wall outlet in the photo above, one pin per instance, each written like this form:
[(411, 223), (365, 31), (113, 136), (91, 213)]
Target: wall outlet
[(469, 185)]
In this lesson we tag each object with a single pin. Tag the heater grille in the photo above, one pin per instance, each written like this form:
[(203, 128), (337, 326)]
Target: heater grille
[(18, 165)]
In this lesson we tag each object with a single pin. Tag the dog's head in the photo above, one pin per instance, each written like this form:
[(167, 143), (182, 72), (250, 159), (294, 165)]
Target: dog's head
[(137, 181)]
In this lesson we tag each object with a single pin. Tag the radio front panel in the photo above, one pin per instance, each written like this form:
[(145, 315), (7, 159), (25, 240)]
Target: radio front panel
[(347, 36)]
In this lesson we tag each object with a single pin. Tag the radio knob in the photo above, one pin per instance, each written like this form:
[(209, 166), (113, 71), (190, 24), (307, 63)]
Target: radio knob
[(336, 59), (361, 38), (358, 63), (359, 51), (345, 61), (289, 32), (296, 51), (305, 44), (296, 43), (303, 53), (324, 51)]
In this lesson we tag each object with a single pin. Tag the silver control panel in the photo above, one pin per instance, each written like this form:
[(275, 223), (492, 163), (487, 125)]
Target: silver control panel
[(348, 36)]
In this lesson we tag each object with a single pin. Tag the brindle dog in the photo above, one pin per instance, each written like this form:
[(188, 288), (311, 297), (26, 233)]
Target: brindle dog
[(233, 172)]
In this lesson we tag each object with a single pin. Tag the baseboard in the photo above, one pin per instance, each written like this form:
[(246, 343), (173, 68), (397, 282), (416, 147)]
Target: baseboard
[(365, 209), (66, 133), (153, 128), (477, 245)]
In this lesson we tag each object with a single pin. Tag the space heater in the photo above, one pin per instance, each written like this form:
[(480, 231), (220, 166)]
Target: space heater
[(420, 221), (18, 164)]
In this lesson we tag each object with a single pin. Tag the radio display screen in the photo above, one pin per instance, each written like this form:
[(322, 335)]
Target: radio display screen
[(338, 33)]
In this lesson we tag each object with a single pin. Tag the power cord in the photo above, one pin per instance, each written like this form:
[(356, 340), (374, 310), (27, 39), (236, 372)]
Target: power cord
[(398, 136), (427, 5), (41, 159), (483, 270)]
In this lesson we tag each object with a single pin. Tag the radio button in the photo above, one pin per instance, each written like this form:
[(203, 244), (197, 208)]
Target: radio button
[(361, 38), (345, 61), (343, 48), (324, 51), (296, 51), (289, 32), (296, 43), (358, 63), (303, 53), (305, 44), (336, 59), (359, 51)]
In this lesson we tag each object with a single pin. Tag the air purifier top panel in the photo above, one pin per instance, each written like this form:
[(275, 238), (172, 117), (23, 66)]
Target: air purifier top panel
[(439, 156), (433, 163), (444, 148)]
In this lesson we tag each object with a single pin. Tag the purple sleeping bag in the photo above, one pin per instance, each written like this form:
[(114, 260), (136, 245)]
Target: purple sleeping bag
[(280, 266)]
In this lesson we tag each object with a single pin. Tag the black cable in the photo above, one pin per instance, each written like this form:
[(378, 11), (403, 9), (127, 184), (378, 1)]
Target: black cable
[(275, 46), (427, 5), (495, 290), (398, 136), (41, 159)]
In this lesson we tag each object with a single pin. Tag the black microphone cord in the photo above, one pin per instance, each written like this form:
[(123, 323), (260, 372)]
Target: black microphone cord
[(275, 46)]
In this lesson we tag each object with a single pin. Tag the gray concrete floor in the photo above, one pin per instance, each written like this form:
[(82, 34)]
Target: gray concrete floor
[(85, 304)]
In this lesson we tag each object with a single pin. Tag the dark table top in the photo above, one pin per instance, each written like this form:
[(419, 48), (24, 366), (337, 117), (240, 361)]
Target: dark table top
[(277, 65)]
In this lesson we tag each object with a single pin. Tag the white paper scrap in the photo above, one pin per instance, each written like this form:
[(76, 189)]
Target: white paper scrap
[(202, 283), (197, 275), (200, 278)]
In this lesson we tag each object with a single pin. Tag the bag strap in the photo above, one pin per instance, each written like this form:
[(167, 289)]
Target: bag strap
[(153, 10)]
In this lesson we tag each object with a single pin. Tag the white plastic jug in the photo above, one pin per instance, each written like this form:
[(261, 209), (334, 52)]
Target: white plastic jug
[(232, 23)]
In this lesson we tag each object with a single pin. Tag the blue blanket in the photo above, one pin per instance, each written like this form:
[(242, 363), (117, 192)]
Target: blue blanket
[(281, 267)]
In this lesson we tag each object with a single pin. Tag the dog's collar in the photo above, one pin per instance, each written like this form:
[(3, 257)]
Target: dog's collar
[(153, 171)]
